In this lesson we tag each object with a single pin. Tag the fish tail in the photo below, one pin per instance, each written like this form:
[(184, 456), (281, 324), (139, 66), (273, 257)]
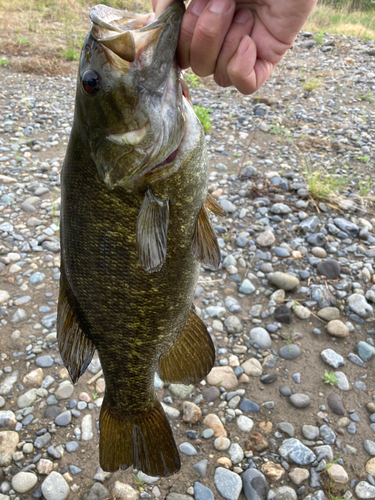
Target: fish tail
[(144, 440)]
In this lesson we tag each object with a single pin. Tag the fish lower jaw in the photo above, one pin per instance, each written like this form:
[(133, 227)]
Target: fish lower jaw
[(132, 137)]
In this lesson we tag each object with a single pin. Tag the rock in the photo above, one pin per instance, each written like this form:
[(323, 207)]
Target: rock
[(254, 485), (329, 313), (54, 487), (273, 471), (291, 351), (35, 377), (336, 328), (302, 312), (332, 358), (359, 305), (322, 296), (278, 296), (236, 453), (201, 467), (44, 466), (284, 281), (7, 418), (295, 450), (214, 423), (64, 391), (248, 406), (188, 449), (233, 325), (210, 394), (310, 432), (30, 397), (329, 437), (44, 361), (282, 493), (343, 383), (261, 337), (191, 413), (300, 400), (201, 492), (247, 287), (42, 440), (228, 206), (24, 482), (19, 316), (286, 427), (246, 424), (228, 483), (122, 491), (258, 442), (299, 475), (86, 425), (8, 445), (178, 496), (369, 446), (181, 391), (365, 490), (365, 350), (64, 418), (336, 404), (346, 226), (6, 385), (280, 208), (329, 268), (265, 239), (221, 444), (370, 467), (283, 314), (223, 376), (98, 492), (252, 367)]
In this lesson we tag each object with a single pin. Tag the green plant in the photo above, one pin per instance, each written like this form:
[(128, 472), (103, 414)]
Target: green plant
[(368, 97), (95, 395), (364, 187), (191, 79), (310, 85), (363, 158), (140, 482), (70, 53), (278, 129), (329, 378), (322, 185), (319, 38), (4, 61), (204, 117), (23, 40)]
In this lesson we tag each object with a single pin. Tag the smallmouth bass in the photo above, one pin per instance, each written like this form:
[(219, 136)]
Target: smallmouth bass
[(134, 227)]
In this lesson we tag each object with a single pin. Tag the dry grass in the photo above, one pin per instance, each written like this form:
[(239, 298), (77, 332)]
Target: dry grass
[(357, 24)]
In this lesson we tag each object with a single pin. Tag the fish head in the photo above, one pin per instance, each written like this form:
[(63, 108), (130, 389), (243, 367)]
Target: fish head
[(129, 97)]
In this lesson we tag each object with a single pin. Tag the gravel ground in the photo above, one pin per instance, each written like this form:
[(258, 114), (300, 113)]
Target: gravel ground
[(294, 296)]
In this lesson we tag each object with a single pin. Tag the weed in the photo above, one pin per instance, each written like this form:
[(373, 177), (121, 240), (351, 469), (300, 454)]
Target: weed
[(204, 117), (237, 155), (368, 97), (70, 53), (319, 38), (322, 185), (278, 129), (4, 61), (22, 40), (329, 378), (365, 187), (191, 79), (310, 85), (363, 158), (95, 395)]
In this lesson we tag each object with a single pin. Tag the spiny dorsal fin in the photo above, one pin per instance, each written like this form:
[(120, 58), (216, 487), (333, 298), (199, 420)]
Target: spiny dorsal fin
[(152, 228), (76, 349), (212, 205), (191, 355), (205, 247)]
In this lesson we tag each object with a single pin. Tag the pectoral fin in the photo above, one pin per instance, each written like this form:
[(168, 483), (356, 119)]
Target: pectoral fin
[(212, 205), (191, 356), (76, 349), (152, 228), (205, 247)]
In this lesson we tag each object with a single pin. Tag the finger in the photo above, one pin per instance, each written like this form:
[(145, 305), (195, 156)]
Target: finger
[(211, 26), (242, 25), (245, 70)]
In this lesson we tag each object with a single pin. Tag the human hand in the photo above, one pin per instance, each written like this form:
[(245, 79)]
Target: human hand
[(239, 42)]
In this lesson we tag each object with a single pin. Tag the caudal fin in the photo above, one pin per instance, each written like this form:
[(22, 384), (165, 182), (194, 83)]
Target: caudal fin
[(144, 440)]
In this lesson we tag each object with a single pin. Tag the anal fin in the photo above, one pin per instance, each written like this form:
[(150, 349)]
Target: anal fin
[(76, 349), (143, 439), (212, 205), (191, 356), (205, 247)]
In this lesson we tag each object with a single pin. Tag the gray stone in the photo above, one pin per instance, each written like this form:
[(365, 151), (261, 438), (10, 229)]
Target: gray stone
[(329, 437), (284, 281), (7, 418), (300, 400), (280, 208), (265, 239), (286, 427), (228, 483), (369, 446), (181, 391), (44, 361), (365, 350), (346, 226), (30, 397), (310, 224), (236, 453), (329, 268), (7, 384), (179, 496), (329, 313), (332, 358), (296, 451), (202, 492), (42, 440), (64, 391), (247, 287), (324, 452), (233, 325), (310, 432), (261, 337), (201, 467), (187, 449), (365, 490), (282, 493), (98, 492), (291, 351), (19, 316), (254, 485), (24, 482), (322, 296), (55, 487), (359, 305), (245, 423), (228, 206), (343, 383), (64, 418), (336, 404)]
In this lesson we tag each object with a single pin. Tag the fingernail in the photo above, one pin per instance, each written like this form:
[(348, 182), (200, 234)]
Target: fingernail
[(198, 7), (242, 16), (244, 45), (220, 6)]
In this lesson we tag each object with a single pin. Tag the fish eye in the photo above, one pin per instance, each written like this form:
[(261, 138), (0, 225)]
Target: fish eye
[(91, 82)]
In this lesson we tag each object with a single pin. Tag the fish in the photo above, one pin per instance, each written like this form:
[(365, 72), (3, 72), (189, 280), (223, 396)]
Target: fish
[(134, 231)]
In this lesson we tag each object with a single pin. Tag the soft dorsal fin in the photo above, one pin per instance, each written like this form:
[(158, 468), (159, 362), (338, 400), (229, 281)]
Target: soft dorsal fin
[(205, 247), (76, 349), (191, 356), (212, 205), (152, 228)]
